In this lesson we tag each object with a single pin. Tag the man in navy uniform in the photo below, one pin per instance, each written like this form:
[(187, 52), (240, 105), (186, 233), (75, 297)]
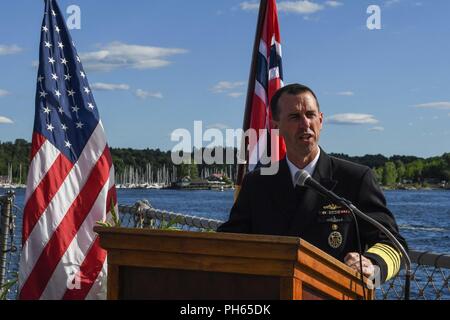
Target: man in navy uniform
[(274, 205)]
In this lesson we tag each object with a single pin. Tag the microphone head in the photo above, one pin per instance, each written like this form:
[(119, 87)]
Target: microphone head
[(300, 177)]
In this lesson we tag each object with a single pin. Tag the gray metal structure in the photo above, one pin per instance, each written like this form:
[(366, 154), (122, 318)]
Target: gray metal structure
[(6, 221)]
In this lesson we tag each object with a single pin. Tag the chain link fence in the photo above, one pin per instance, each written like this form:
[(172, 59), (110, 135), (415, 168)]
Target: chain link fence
[(430, 280)]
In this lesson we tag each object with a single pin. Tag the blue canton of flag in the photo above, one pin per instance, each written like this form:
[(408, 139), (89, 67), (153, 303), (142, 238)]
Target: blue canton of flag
[(66, 113)]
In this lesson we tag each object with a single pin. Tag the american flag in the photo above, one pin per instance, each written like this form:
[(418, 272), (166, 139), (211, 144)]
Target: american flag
[(266, 77), (71, 178)]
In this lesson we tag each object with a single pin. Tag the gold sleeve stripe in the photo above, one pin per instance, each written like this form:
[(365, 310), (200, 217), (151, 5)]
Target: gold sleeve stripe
[(396, 255), (391, 253), (390, 263), (390, 256)]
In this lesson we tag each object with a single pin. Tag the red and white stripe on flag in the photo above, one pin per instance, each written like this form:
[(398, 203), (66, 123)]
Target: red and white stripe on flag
[(61, 256), (268, 79)]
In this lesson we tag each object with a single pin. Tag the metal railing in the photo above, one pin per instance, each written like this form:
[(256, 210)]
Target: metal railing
[(431, 272), (8, 250), (143, 215), (430, 279)]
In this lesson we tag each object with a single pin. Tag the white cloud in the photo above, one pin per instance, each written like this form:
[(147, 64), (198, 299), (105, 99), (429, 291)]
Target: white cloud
[(236, 94), (334, 4), (118, 55), (352, 118), (249, 6), (226, 86), (379, 129), (231, 89), (146, 94), (300, 6), (3, 93), (434, 105), (389, 3), (99, 86), (11, 49), (346, 93), (4, 120)]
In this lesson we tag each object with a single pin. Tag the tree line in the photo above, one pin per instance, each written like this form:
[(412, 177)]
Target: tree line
[(388, 170), (405, 169)]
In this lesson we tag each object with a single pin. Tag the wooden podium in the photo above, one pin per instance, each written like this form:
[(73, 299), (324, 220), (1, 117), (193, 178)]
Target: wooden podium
[(178, 265)]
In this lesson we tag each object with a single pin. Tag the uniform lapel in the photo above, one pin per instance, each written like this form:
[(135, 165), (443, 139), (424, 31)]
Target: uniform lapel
[(285, 198), (324, 172)]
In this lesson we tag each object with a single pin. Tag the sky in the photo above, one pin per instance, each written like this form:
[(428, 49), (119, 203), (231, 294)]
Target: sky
[(159, 65)]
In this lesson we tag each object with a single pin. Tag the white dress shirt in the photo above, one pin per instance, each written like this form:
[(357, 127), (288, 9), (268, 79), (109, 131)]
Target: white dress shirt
[(309, 168)]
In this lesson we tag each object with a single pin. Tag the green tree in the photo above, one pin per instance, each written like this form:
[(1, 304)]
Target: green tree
[(401, 170), (193, 170), (378, 174), (389, 174), (414, 170), (184, 170)]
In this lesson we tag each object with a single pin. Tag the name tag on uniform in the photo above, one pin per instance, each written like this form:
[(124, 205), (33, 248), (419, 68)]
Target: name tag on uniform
[(333, 213)]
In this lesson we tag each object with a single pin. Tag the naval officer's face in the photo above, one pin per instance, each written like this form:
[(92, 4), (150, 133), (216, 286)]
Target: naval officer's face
[(299, 122)]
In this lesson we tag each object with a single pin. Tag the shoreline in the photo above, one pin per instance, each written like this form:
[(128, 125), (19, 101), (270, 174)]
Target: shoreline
[(232, 187), (415, 188)]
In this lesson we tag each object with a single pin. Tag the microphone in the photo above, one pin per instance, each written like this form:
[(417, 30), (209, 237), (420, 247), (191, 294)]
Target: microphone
[(303, 179)]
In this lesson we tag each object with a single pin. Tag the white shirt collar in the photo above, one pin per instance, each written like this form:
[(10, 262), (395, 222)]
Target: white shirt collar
[(309, 168)]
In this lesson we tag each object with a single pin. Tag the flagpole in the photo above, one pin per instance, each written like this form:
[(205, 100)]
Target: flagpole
[(250, 93)]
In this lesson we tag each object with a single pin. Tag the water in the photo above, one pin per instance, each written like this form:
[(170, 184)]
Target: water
[(423, 216)]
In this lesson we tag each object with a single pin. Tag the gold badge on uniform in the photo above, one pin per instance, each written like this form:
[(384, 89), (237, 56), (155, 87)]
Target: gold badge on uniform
[(335, 240), (333, 213)]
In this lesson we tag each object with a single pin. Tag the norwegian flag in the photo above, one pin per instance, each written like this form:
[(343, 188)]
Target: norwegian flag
[(71, 179), (266, 77)]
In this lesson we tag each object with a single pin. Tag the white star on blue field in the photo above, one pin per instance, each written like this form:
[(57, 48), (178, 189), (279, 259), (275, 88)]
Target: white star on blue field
[(156, 66)]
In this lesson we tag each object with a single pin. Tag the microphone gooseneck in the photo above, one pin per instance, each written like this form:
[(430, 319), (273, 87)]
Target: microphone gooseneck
[(303, 179)]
